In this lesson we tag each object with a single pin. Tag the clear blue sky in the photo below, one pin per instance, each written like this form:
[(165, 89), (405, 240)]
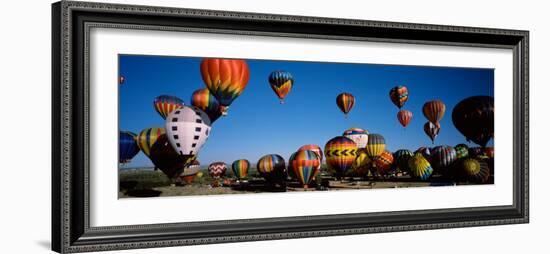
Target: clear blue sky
[(257, 124)]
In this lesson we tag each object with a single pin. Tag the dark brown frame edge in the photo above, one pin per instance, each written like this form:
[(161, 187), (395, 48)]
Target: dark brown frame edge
[(70, 228)]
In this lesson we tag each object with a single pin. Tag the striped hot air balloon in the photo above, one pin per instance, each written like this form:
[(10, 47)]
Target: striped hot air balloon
[(203, 100), (434, 110), (424, 151), (419, 167), (217, 169), (147, 138), (432, 130), (362, 163), (272, 167), (225, 78), (383, 162), (305, 165), (461, 151), (281, 82), (474, 170), (358, 135), (165, 104), (315, 148), (340, 153), (399, 95), (404, 117), (375, 146), (240, 168), (127, 146), (402, 157), (345, 102), (442, 158)]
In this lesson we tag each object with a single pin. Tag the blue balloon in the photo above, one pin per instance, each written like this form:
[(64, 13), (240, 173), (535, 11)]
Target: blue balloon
[(127, 146)]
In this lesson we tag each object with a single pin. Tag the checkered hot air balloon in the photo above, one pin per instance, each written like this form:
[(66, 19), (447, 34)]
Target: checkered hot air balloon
[(240, 168), (273, 168), (419, 167), (188, 129), (281, 82), (305, 165), (383, 162), (165, 104), (345, 101), (399, 95), (225, 78), (340, 153)]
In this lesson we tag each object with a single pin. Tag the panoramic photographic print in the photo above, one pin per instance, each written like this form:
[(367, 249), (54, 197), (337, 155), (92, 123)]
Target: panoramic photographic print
[(207, 126)]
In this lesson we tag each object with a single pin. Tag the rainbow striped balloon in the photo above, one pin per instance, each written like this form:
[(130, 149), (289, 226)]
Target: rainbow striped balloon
[(147, 138), (345, 102), (165, 104), (206, 102), (340, 153), (315, 148), (420, 167), (240, 168), (305, 165), (281, 82)]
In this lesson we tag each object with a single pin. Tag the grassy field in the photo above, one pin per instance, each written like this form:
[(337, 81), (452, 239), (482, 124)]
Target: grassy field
[(148, 183)]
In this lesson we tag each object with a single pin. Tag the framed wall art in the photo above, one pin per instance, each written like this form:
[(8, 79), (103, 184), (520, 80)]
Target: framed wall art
[(181, 126)]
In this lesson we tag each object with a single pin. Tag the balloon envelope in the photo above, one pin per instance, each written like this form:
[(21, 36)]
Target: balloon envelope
[(345, 102), (399, 95), (281, 82), (419, 167), (358, 135), (305, 165), (240, 168), (165, 104), (188, 129), (442, 158), (225, 78), (272, 167), (375, 146), (127, 146), (402, 157), (217, 169), (203, 100), (474, 118), (383, 162), (340, 153), (434, 110), (404, 117), (147, 138), (432, 130), (167, 159)]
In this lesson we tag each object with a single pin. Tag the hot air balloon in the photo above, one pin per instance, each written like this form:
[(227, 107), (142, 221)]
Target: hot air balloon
[(404, 117), (383, 162), (187, 129), (474, 118), (203, 100), (217, 169), (165, 104), (147, 138), (461, 151), (420, 167), (474, 170), (281, 82), (127, 146), (399, 95), (315, 148), (362, 163), (272, 167), (442, 158), (402, 157), (490, 152), (290, 169), (225, 78), (240, 168), (305, 164), (167, 159), (432, 130), (345, 102), (358, 135), (375, 145), (190, 172), (121, 80), (340, 153), (424, 151), (434, 110)]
